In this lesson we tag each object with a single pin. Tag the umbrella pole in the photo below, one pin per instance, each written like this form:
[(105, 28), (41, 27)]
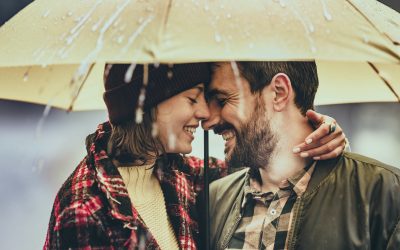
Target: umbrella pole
[(206, 191)]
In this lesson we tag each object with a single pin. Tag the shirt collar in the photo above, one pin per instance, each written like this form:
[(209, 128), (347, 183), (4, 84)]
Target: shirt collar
[(298, 183)]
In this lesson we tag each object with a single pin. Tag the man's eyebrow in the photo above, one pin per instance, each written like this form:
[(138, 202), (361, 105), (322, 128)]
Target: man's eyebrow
[(213, 92)]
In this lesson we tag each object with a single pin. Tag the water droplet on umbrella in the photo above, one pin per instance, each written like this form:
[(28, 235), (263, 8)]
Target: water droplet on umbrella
[(129, 73), (311, 28), (26, 76), (313, 49), (46, 13), (327, 14), (120, 39), (217, 38)]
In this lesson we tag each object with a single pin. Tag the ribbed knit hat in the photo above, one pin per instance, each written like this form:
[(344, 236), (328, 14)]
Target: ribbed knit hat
[(164, 81)]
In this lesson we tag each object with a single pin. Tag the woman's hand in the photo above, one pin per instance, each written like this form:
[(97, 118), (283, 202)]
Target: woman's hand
[(326, 142)]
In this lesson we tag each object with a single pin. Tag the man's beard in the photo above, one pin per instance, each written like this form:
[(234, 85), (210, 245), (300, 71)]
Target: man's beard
[(255, 142)]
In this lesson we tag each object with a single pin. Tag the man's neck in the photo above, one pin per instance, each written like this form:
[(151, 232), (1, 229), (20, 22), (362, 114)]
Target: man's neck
[(284, 163)]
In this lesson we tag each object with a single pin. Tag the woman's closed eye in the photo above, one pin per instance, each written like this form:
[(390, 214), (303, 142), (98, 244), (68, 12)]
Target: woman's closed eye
[(192, 100)]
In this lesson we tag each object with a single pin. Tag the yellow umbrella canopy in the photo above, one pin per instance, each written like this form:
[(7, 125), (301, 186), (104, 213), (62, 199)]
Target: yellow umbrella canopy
[(51, 48)]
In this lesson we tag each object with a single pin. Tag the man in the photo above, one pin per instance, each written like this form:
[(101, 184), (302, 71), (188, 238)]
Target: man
[(281, 200)]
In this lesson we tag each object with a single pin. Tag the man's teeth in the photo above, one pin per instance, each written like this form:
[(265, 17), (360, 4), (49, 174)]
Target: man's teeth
[(191, 130), (228, 135)]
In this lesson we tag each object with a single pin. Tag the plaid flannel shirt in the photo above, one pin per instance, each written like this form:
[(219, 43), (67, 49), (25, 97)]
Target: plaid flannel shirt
[(92, 210), (266, 217)]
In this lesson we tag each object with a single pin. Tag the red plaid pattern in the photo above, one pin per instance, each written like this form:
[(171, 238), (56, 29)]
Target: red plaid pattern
[(92, 210)]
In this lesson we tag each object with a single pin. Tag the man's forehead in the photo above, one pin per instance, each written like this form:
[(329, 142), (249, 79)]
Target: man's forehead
[(223, 80)]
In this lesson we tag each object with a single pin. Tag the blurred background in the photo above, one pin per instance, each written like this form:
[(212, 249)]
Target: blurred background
[(40, 147)]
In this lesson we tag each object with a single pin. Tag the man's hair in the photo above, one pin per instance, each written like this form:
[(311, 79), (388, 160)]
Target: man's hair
[(302, 74), (132, 143)]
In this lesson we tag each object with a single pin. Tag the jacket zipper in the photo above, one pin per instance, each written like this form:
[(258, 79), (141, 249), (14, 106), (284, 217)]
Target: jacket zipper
[(296, 208), (232, 229), (229, 235)]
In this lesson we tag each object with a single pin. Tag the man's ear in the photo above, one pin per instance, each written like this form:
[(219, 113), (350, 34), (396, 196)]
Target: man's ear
[(283, 91)]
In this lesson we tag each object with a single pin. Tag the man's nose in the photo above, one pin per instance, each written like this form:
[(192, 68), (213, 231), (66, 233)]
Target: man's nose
[(214, 116)]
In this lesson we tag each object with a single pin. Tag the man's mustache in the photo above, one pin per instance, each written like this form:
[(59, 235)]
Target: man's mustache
[(223, 126)]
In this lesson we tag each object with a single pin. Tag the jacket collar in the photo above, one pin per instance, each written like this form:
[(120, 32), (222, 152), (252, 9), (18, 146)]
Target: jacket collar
[(322, 170)]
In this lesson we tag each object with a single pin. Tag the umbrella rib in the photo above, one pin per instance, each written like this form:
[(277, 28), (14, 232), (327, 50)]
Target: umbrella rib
[(80, 88), (385, 81), (373, 25)]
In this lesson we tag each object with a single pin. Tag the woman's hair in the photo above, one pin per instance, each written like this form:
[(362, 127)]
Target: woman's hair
[(133, 143)]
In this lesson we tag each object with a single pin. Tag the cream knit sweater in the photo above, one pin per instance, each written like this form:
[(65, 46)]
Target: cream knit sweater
[(147, 197)]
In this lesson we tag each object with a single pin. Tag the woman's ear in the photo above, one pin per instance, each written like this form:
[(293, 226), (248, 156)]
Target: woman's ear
[(282, 88)]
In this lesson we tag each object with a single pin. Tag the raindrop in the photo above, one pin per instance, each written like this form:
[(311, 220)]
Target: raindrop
[(142, 96), (69, 13), (40, 124), (96, 25), (139, 116), (228, 15), (206, 7), (222, 6), (311, 28), (140, 20), (171, 141), (120, 39), (129, 73), (46, 14), (156, 65), (238, 82), (327, 14), (251, 45), (217, 38), (26, 76), (107, 70), (365, 39), (70, 39), (170, 74), (154, 130), (282, 3), (313, 49)]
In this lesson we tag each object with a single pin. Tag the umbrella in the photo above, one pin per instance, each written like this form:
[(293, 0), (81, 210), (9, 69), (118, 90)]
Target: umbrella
[(69, 42), (65, 44)]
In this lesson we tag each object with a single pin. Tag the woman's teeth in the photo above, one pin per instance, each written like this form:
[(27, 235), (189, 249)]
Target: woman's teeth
[(191, 130), (228, 135)]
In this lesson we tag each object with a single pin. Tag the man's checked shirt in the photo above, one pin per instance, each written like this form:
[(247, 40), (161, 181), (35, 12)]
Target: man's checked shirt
[(266, 217)]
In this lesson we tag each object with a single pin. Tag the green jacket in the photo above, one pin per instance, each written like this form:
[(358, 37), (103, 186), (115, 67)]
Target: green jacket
[(351, 202)]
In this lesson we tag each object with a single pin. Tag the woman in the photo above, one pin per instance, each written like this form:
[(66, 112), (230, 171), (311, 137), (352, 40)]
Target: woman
[(134, 189)]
